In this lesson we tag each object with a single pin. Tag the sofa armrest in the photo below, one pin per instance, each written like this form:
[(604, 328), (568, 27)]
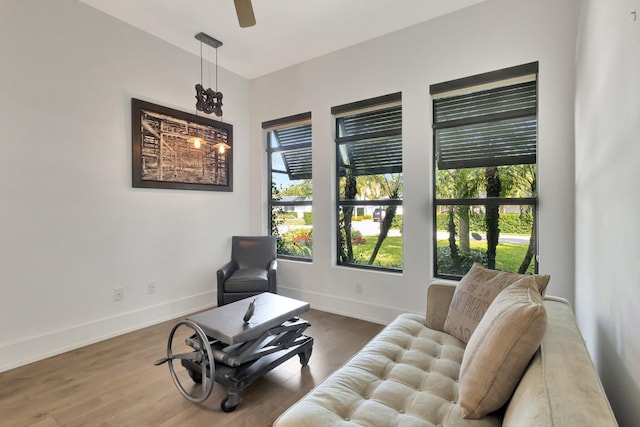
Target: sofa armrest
[(439, 296), (561, 385)]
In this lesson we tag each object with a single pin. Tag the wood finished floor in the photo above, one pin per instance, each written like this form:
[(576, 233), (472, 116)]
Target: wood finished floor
[(114, 382)]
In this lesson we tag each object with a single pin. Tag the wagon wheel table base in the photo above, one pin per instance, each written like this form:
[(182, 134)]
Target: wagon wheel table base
[(236, 353)]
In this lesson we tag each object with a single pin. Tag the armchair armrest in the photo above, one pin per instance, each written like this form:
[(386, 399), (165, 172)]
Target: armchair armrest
[(223, 274), (439, 296), (273, 267), (225, 271)]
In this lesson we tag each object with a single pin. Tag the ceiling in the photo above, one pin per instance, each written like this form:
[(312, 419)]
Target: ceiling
[(287, 31)]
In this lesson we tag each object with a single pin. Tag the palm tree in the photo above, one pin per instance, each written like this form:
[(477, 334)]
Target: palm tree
[(492, 216), (391, 186), (460, 184), (520, 181), (302, 189), (350, 192)]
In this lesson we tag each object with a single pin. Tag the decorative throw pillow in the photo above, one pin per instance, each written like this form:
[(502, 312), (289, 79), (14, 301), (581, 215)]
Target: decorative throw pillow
[(473, 295), (501, 348)]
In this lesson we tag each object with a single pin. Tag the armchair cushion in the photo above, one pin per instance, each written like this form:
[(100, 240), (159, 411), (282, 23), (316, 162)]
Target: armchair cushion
[(247, 280)]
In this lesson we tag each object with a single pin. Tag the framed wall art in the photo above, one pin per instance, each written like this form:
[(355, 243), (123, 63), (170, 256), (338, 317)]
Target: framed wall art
[(177, 150)]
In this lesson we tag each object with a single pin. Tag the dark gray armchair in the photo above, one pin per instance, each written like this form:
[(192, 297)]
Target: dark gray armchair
[(252, 269)]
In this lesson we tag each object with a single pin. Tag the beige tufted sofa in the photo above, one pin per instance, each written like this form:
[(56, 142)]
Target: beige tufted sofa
[(407, 376)]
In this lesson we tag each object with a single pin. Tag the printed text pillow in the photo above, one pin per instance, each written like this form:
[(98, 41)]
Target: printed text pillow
[(473, 295)]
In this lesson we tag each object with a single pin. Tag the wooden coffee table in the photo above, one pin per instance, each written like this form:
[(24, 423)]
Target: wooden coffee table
[(240, 352)]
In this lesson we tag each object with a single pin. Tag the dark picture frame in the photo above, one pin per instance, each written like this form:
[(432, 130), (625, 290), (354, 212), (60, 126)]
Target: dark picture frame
[(177, 150)]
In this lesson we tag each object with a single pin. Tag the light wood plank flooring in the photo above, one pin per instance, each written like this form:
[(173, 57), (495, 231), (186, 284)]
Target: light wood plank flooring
[(114, 382)]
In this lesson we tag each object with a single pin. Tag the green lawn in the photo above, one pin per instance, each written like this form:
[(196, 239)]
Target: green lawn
[(390, 254), (508, 255)]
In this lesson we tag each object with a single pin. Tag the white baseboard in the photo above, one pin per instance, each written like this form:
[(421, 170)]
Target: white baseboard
[(37, 348), (344, 306), (32, 349)]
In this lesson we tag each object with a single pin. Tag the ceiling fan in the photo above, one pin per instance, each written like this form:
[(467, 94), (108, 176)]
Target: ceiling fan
[(246, 18)]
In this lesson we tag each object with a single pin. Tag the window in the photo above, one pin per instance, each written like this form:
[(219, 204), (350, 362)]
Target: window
[(369, 180), (290, 185), (485, 174)]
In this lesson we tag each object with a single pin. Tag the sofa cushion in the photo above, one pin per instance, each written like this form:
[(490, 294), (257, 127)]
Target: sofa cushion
[(473, 295), (406, 376), (500, 348)]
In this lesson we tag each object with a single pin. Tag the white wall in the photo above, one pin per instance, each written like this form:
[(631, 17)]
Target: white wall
[(71, 226), (489, 36), (607, 175)]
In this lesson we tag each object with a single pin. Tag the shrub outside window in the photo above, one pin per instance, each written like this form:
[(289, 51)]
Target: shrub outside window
[(290, 185), (369, 183), (485, 174)]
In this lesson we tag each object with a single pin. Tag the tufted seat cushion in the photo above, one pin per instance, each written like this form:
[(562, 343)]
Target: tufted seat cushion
[(406, 376)]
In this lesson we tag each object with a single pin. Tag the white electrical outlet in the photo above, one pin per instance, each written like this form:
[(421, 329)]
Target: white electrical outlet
[(151, 287), (118, 294)]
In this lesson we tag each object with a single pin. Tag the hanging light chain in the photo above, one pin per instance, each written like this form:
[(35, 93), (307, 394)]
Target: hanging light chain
[(216, 69)]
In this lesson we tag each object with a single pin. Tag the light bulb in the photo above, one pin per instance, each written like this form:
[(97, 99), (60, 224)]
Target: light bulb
[(221, 149), (196, 143)]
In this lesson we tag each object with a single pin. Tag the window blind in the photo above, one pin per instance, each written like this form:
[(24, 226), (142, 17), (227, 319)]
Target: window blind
[(370, 142), (294, 144), (493, 127)]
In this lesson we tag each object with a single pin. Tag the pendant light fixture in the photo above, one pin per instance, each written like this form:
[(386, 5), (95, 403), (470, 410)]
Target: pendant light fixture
[(208, 100)]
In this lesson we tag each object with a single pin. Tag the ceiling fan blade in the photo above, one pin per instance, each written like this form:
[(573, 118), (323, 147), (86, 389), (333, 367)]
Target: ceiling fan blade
[(246, 18)]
